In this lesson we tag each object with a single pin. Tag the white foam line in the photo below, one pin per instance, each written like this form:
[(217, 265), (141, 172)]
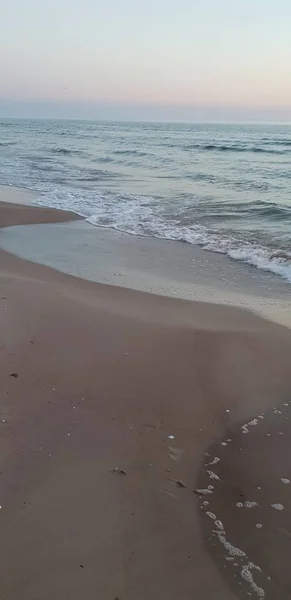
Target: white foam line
[(246, 574), (252, 423), (232, 550), (255, 421)]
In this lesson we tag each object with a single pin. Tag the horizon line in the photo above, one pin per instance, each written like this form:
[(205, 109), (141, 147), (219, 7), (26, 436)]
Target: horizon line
[(255, 121)]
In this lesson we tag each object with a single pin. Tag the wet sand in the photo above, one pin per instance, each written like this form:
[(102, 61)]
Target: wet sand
[(165, 267), (95, 378)]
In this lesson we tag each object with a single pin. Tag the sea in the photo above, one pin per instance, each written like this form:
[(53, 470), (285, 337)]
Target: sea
[(224, 187)]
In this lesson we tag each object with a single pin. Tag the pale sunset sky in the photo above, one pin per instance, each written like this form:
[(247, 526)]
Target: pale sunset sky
[(147, 59)]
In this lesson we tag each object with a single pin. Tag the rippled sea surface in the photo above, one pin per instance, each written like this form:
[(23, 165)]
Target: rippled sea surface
[(224, 187)]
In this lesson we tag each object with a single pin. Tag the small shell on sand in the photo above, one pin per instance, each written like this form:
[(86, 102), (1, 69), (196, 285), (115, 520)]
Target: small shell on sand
[(277, 506), (249, 504), (118, 470), (214, 461), (213, 475), (286, 481), (202, 492)]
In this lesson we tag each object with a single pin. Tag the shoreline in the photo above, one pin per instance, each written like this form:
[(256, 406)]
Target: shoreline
[(97, 377), (164, 267)]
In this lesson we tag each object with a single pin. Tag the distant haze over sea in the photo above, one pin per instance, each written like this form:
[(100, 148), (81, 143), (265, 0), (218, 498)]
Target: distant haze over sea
[(63, 109)]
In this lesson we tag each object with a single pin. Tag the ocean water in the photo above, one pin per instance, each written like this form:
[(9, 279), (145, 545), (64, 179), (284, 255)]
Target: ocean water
[(226, 188)]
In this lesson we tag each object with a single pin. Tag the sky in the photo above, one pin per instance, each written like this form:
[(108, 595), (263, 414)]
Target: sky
[(146, 59)]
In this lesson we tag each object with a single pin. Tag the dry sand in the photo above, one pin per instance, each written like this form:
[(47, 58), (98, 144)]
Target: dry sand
[(95, 377)]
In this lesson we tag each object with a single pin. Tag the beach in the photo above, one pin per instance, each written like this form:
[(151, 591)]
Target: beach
[(136, 431)]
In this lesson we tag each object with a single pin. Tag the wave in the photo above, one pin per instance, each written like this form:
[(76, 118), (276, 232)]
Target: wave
[(139, 215), (139, 153), (253, 209), (274, 261), (248, 216), (272, 210), (64, 151), (5, 144), (99, 175), (232, 148), (203, 177), (278, 262), (103, 159), (9, 124), (240, 184), (277, 142), (43, 167), (68, 152)]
